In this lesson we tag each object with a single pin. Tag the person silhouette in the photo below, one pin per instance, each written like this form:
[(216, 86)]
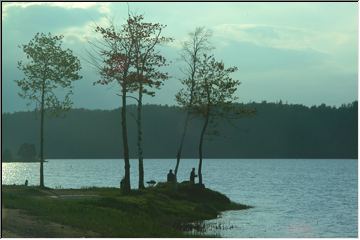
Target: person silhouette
[(171, 176), (122, 183), (192, 176)]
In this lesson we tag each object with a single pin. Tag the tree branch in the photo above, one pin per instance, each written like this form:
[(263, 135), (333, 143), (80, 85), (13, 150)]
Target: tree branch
[(128, 97)]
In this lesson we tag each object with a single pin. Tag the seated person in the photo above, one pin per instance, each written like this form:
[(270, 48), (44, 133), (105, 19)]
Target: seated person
[(171, 176)]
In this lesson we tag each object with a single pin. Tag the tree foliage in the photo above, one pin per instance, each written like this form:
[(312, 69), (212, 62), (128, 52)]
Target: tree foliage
[(27, 152), (6, 155), (48, 68), (321, 132), (115, 51), (193, 48), (214, 88), (211, 95), (147, 58), (130, 57), (146, 76)]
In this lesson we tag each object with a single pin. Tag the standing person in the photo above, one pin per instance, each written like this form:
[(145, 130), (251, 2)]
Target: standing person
[(192, 176)]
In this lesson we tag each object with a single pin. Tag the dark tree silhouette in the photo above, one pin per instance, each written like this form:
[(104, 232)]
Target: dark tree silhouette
[(27, 152), (213, 95), (48, 68), (321, 132), (146, 60), (6, 155), (129, 56), (117, 50), (193, 49)]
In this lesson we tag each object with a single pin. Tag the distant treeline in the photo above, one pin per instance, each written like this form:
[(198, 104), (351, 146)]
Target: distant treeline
[(277, 130)]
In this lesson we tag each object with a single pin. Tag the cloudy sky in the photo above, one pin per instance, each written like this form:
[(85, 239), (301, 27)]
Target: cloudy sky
[(298, 52)]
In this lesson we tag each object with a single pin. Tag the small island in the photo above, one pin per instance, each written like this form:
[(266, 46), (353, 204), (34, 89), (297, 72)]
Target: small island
[(164, 210)]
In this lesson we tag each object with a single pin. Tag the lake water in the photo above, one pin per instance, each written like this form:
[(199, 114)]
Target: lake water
[(291, 198)]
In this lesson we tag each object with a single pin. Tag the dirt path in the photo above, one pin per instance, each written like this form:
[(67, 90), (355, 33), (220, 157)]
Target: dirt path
[(74, 196), (59, 193), (16, 223)]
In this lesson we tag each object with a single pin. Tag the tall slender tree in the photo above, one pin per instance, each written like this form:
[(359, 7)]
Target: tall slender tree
[(213, 94), (48, 67), (197, 45), (147, 60), (116, 50)]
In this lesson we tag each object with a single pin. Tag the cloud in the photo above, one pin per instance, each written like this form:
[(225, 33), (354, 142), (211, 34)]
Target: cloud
[(102, 7), (282, 37), (42, 18), (82, 33), (282, 50)]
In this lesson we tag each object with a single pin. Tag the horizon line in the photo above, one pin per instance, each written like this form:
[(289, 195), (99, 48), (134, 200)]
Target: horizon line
[(177, 106)]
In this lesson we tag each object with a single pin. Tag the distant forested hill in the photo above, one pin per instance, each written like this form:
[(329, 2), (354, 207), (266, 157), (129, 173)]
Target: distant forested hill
[(276, 131)]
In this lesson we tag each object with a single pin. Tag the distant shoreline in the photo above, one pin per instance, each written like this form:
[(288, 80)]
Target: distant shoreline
[(23, 161), (275, 131)]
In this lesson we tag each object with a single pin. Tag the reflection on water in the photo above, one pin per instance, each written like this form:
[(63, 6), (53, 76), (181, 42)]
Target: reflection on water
[(292, 198), (17, 173)]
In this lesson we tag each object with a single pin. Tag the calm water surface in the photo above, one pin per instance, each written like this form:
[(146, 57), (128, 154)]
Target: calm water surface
[(291, 198)]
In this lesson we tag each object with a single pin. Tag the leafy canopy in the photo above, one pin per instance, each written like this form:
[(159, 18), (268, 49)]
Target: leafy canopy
[(213, 86), (129, 54), (48, 67)]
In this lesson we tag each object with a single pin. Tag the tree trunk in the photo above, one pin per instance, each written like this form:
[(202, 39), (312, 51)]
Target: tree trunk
[(201, 145), (126, 186), (178, 155), (139, 143), (42, 110)]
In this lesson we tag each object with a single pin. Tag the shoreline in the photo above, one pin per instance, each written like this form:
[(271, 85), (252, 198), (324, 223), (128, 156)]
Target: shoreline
[(22, 161)]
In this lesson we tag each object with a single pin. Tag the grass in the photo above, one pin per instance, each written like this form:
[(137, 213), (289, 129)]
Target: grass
[(154, 212)]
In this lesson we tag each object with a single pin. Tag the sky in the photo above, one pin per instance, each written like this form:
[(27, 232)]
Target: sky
[(303, 53)]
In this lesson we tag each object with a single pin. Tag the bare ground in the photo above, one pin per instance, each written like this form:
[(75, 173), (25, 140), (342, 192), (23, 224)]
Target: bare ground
[(16, 223)]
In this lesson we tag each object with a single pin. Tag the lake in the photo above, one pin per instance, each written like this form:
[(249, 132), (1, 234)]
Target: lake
[(291, 198)]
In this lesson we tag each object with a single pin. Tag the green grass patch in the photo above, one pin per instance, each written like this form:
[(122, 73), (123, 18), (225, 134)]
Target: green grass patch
[(153, 212)]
